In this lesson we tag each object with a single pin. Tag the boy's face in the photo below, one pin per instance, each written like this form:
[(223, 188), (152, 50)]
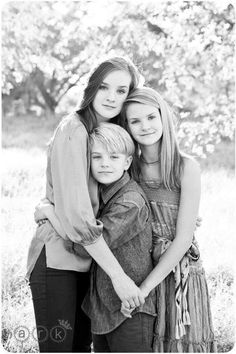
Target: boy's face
[(108, 167)]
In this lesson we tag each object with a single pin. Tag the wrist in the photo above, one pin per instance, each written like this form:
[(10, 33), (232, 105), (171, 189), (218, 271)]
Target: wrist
[(117, 275), (145, 289)]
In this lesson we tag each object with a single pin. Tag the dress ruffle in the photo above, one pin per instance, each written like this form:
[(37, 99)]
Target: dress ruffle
[(199, 337)]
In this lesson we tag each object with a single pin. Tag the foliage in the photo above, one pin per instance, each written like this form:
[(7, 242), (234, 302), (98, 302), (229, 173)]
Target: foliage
[(185, 50)]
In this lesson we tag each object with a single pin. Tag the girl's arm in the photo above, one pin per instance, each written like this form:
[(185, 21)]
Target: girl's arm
[(46, 210), (188, 211)]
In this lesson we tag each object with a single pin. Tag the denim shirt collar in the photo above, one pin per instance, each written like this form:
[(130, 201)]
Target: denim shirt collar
[(107, 192)]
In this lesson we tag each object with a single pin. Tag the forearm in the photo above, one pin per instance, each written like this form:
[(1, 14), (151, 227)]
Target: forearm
[(167, 263), (125, 288), (104, 257)]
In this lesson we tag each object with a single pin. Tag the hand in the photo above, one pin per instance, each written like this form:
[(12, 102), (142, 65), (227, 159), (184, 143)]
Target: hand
[(69, 246), (198, 222), (42, 210), (76, 249), (128, 292), (126, 311)]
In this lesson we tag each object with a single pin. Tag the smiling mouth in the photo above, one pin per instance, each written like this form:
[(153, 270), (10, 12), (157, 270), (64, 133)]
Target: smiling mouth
[(109, 107), (147, 134), (104, 172)]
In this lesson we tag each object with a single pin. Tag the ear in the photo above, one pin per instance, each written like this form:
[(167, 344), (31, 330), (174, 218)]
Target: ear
[(129, 159)]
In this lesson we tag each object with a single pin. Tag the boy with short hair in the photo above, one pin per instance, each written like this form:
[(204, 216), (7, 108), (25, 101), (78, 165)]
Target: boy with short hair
[(125, 214)]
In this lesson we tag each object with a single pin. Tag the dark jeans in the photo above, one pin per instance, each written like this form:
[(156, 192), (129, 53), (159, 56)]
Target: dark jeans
[(134, 335), (62, 326)]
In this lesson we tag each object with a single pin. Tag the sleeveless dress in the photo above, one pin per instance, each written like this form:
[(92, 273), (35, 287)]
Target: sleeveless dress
[(184, 322)]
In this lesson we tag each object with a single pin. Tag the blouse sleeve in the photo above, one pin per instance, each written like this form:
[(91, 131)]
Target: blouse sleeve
[(70, 178)]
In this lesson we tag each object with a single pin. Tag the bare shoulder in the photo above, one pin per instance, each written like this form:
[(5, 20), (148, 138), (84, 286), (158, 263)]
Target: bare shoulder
[(191, 169)]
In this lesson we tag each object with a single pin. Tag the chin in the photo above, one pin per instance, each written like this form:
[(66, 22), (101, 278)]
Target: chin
[(110, 115)]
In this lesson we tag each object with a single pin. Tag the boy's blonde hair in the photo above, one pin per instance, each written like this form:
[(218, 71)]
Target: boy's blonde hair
[(114, 138)]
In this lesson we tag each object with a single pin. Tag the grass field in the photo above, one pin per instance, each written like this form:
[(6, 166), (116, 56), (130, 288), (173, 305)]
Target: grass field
[(24, 161)]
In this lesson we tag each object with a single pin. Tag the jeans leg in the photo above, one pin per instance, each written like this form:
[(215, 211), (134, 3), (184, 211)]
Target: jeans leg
[(55, 297), (82, 336), (39, 296), (134, 335), (100, 343)]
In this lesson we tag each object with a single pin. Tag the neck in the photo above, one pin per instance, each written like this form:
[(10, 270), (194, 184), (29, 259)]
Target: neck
[(150, 153), (101, 119)]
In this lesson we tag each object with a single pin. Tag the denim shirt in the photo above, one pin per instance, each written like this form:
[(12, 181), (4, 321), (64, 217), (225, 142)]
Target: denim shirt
[(125, 214)]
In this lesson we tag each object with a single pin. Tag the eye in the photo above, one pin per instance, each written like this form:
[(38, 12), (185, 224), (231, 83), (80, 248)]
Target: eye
[(96, 157), (151, 117), (103, 87), (134, 121), (114, 157), (122, 91)]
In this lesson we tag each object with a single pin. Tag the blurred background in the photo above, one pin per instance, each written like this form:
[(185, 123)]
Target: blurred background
[(185, 50)]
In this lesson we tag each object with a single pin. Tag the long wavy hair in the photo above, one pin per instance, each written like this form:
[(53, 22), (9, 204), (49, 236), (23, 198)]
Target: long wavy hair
[(86, 111), (171, 158)]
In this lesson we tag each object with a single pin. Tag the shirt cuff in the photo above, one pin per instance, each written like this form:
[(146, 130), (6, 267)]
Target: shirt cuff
[(93, 234)]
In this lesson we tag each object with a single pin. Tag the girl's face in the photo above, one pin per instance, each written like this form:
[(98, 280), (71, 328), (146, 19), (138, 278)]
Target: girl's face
[(144, 122), (111, 95)]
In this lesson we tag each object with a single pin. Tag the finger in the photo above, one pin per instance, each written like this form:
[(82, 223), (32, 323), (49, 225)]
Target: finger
[(124, 313), (131, 303), (125, 307), (125, 304), (136, 301), (141, 299)]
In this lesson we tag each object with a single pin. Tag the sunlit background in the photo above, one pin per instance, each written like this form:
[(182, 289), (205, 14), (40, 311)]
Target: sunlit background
[(185, 50)]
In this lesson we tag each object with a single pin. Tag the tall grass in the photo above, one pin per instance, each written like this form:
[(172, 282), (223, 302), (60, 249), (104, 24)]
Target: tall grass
[(23, 181)]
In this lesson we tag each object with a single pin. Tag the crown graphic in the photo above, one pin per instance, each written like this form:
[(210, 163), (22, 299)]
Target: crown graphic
[(65, 324)]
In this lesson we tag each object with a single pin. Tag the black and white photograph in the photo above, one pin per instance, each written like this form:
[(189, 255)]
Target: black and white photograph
[(118, 176)]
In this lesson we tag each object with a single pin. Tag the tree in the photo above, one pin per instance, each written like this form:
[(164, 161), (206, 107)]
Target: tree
[(185, 50)]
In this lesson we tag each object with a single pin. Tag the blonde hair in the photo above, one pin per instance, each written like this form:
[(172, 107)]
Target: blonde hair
[(114, 138), (171, 158)]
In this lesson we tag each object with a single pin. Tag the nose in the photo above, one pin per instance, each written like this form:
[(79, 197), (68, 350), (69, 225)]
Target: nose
[(111, 96), (145, 124), (105, 162)]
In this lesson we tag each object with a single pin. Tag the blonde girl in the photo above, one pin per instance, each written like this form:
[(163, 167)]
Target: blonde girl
[(171, 181)]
